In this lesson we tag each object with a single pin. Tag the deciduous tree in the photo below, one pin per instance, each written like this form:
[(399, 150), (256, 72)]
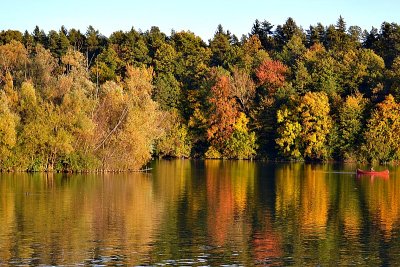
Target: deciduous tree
[(242, 143), (351, 116), (382, 136), (304, 128), (223, 113), (8, 132)]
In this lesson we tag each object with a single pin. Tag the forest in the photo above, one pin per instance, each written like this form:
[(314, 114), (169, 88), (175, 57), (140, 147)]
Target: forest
[(80, 101)]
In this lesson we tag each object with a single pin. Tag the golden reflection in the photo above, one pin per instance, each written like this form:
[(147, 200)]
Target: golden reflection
[(302, 189), (64, 219), (287, 189), (171, 179), (304, 212), (349, 207), (7, 219), (383, 197), (314, 200)]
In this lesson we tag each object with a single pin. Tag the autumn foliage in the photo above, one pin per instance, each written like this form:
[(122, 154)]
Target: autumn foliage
[(80, 101), (271, 73), (224, 113)]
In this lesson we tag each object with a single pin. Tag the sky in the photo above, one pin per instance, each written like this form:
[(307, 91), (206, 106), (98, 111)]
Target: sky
[(201, 17)]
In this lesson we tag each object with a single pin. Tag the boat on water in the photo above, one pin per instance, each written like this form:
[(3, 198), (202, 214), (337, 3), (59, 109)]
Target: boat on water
[(369, 172)]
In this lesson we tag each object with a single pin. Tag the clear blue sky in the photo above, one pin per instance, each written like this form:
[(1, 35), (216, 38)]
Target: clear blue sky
[(201, 17)]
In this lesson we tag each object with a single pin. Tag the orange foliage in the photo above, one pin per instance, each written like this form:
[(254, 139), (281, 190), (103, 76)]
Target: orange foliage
[(224, 112), (272, 74)]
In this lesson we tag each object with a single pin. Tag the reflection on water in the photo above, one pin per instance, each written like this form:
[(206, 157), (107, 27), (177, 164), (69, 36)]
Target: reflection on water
[(202, 213)]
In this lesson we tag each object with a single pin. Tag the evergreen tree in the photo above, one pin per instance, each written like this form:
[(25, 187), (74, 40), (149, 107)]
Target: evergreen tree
[(285, 32), (264, 32), (39, 36)]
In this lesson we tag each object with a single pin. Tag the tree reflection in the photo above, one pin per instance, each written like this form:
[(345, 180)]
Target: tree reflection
[(382, 197), (314, 201), (211, 212), (229, 185)]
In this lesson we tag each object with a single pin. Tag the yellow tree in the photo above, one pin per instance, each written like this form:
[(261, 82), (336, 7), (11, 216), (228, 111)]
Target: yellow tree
[(316, 124), (46, 136), (8, 133), (109, 115), (9, 90), (128, 121), (175, 142), (43, 70), (288, 131), (13, 59), (143, 124), (304, 126), (242, 143), (251, 54), (78, 99), (382, 137)]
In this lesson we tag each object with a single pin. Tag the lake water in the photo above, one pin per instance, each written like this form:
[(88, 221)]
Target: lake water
[(202, 213)]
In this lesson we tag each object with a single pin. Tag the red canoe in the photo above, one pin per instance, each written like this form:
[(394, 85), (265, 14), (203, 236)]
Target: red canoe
[(385, 172)]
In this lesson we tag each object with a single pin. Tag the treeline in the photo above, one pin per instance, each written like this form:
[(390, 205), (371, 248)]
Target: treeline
[(83, 101)]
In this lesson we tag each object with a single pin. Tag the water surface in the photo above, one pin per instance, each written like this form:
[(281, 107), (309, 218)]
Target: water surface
[(199, 213)]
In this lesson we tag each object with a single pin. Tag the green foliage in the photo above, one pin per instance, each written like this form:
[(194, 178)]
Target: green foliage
[(386, 42), (293, 50), (10, 35), (167, 91), (221, 48), (285, 32), (323, 73), (107, 66), (43, 139), (63, 42), (301, 78), (251, 55), (192, 59), (165, 59), (73, 162), (394, 76), (263, 31)]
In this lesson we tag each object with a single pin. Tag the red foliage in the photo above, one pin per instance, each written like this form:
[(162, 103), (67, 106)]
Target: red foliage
[(271, 73)]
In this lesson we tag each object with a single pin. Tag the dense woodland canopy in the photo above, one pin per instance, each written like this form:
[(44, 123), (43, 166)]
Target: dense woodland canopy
[(74, 101)]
